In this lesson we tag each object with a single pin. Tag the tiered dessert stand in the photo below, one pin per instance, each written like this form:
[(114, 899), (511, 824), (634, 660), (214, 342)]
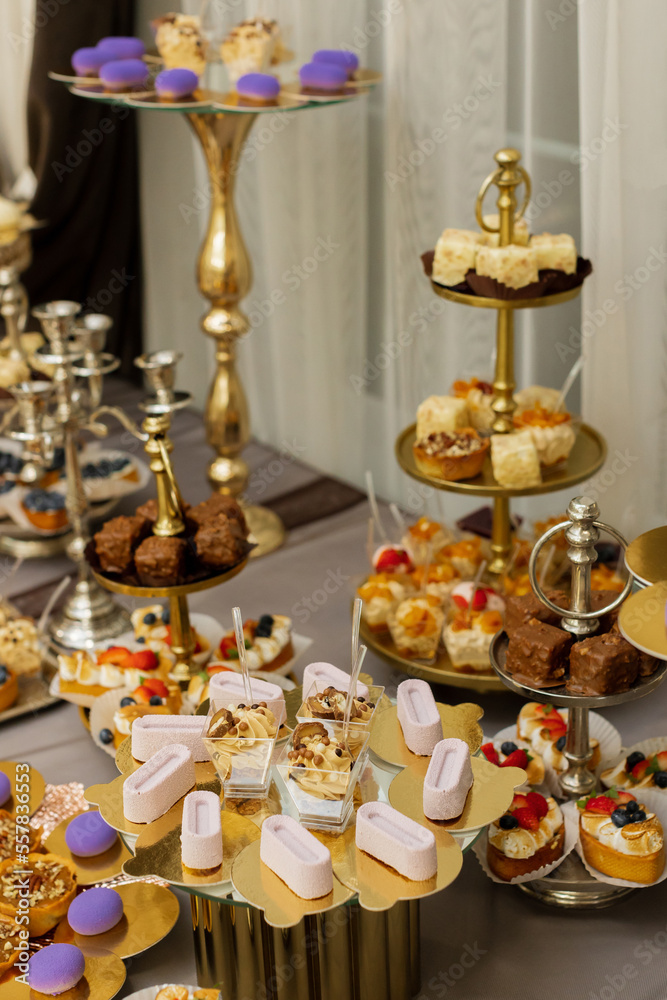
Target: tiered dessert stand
[(586, 457), (570, 885), (222, 123)]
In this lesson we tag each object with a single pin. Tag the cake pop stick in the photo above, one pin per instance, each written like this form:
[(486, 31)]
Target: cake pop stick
[(573, 374), (476, 583), (243, 660), (356, 625), (401, 523), (356, 670), (372, 500), (370, 540)]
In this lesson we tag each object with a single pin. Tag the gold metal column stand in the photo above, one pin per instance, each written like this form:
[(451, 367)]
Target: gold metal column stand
[(224, 275)]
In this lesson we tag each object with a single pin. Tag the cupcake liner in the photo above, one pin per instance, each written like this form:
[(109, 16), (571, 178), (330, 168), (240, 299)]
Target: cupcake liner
[(653, 745), (558, 281), (490, 288), (480, 846), (654, 802)]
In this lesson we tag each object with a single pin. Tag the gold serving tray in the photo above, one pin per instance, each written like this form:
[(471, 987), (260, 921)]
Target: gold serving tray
[(481, 302), (177, 590), (642, 619), (587, 456), (646, 557)]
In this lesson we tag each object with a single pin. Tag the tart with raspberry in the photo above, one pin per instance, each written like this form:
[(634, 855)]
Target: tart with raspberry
[(620, 837), (511, 755), (52, 887), (638, 770), (545, 729), (268, 643), (528, 836), (416, 627)]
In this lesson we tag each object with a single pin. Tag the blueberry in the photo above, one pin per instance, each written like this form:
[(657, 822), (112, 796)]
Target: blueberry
[(265, 620), (633, 760), (155, 700), (560, 743), (106, 736), (508, 822), (619, 817), (508, 747), (263, 631), (150, 618), (660, 779), (166, 616), (141, 639), (127, 701), (638, 817), (6, 487), (631, 806), (4, 674)]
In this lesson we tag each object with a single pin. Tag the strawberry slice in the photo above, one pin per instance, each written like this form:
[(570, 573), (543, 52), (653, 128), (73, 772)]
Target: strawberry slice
[(548, 712), (520, 801), (538, 804), (118, 655), (392, 559), (143, 694), (460, 601), (527, 819), (143, 659), (479, 599), (639, 770), (491, 753), (556, 727), (156, 686), (662, 760), (518, 758), (603, 804), (624, 796)]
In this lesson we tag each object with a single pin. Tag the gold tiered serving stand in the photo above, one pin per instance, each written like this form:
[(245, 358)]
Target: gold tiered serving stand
[(222, 123)]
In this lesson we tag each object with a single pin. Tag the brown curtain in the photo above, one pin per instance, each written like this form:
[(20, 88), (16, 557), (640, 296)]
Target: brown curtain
[(84, 154)]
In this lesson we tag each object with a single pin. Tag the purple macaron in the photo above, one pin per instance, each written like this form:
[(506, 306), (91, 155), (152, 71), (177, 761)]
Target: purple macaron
[(88, 835), (88, 62), (322, 76), (258, 87), (121, 47), (5, 788), (95, 911), (56, 968), (338, 57), (175, 84), (122, 74)]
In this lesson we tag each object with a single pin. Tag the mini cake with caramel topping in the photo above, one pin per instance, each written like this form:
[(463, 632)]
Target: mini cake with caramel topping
[(468, 638), (424, 538), (465, 556), (381, 594), (620, 838), (416, 627), (479, 399), (552, 433)]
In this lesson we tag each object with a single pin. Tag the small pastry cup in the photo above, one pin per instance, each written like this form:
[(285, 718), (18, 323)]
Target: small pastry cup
[(452, 467)]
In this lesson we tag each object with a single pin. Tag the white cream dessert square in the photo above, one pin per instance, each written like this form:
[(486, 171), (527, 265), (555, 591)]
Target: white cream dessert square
[(455, 254), (515, 461), (446, 414), (513, 266), (557, 252), (468, 647)]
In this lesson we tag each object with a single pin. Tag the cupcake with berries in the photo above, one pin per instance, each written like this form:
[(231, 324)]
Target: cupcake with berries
[(620, 837), (530, 835), (638, 770), (511, 755)]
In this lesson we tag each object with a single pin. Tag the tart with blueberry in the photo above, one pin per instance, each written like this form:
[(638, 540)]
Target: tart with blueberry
[(99, 473), (45, 509), (528, 836), (511, 755), (9, 687), (638, 770), (545, 729), (152, 626), (268, 643), (152, 697), (620, 838)]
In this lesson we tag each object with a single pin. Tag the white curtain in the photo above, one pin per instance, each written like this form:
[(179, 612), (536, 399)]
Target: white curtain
[(17, 30)]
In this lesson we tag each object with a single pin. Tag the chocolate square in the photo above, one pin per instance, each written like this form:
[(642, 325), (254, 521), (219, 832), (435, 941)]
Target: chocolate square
[(217, 504), (647, 664), (600, 599), (117, 540), (219, 542), (520, 610), (160, 561), (602, 664), (537, 654)]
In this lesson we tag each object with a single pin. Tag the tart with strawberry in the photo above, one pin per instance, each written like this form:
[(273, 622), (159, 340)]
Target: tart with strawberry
[(528, 836), (467, 638), (424, 538), (152, 697), (638, 770), (392, 559), (416, 627), (620, 838), (381, 594), (268, 643), (544, 728), (93, 674), (508, 754), (152, 627)]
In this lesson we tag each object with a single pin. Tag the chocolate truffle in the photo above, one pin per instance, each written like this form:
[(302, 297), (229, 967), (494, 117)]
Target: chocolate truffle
[(121, 47), (56, 968), (602, 664), (160, 562), (338, 57), (87, 62), (520, 610), (116, 541), (323, 76), (537, 654), (258, 87), (175, 84), (88, 834), (95, 911), (123, 74), (5, 788), (218, 503), (219, 542)]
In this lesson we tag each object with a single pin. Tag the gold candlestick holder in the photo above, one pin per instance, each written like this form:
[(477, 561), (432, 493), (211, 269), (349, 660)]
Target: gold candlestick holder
[(159, 370)]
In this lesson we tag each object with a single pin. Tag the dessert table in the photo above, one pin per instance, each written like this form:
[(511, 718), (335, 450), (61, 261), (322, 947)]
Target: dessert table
[(478, 939)]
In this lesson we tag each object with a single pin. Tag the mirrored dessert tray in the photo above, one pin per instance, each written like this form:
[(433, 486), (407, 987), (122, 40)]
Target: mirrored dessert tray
[(559, 696), (587, 456)]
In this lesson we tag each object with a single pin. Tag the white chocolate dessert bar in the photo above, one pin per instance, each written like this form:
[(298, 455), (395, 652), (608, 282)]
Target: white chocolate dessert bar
[(318, 676), (154, 788), (151, 733), (515, 462), (455, 254), (227, 687), (448, 780), (513, 265), (520, 233), (396, 840), (201, 832), (296, 857), (441, 413), (556, 252), (418, 716)]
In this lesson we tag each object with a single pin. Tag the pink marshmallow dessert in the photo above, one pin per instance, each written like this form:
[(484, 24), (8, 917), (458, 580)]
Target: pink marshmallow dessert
[(158, 784), (418, 716), (228, 687), (151, 733), (296, 857), (201, 833), (318, 676), (396, 840), (448, 780)]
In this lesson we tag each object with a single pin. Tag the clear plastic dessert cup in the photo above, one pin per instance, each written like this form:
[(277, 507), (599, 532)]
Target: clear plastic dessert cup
[(241, 754), (309, 710)]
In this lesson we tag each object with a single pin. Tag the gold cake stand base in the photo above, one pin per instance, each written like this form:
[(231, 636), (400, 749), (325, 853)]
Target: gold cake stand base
[(342, 954), (266, 527)]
